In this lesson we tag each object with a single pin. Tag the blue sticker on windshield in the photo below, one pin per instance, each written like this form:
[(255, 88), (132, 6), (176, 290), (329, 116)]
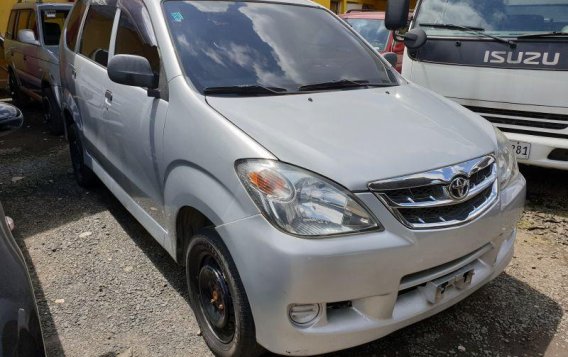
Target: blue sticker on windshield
[(177, 16)]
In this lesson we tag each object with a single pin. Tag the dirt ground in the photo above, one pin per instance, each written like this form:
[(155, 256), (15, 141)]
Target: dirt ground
[(105, 288)]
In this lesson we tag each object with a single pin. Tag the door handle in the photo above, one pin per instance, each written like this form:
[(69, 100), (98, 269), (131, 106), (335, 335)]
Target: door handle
[(73, 73), (108, 97), (25, 58)]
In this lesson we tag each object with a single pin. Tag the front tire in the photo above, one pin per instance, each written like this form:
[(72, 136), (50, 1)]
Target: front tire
[(218, 298), (85, 177)]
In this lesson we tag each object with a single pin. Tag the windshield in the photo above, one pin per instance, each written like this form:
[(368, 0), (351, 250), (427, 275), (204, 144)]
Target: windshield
[(226, 43), (374, 31), (504, 18), (53, 21)]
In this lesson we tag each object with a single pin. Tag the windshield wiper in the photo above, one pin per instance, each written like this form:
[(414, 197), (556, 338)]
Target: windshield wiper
[(342, 83), (544, 34), (475, 30), (252, 89)]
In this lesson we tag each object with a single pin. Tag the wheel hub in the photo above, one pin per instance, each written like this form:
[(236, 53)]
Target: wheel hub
[(215, 300)]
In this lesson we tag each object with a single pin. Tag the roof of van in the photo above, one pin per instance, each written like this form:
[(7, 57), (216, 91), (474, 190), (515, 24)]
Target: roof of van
[(33, 4)]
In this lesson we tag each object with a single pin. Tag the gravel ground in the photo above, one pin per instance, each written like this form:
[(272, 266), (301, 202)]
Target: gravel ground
[(105, 288)]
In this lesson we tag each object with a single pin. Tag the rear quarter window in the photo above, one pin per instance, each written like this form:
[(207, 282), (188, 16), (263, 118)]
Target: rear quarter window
[(97, 31), (22, 23), (11, 23)]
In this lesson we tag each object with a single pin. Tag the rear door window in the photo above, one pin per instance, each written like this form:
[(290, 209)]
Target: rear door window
[(32, 24), (97, 32), (74, 24)]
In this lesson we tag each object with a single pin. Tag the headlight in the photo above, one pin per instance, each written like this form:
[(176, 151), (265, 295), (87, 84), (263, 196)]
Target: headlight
[(506, 160), (302, 203)]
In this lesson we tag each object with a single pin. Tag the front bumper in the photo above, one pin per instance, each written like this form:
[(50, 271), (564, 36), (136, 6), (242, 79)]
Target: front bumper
[(541, 147), (372, 271)]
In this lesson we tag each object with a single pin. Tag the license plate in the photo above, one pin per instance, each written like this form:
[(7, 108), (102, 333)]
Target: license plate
[(435, 290), (521, 149)]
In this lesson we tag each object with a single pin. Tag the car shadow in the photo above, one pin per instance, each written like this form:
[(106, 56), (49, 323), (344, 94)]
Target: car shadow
[(36, 179), (546, 189), (160, 258)]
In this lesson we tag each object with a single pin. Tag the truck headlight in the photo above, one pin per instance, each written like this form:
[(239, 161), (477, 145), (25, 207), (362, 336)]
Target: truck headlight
[(303, 203), (507, 166)]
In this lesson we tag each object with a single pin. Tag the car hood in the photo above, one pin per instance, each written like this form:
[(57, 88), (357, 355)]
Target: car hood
[(361, 135)]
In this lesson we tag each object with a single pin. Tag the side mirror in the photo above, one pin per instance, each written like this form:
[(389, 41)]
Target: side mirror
[(396, 16), (132, 71), (391, 58), (27, 36), (415, 38), (11, 118)]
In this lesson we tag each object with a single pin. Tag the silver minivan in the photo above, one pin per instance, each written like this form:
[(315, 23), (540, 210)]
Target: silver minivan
[(317, 199)]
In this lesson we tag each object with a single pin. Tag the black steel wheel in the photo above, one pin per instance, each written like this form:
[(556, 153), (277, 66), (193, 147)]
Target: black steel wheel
[(215, 300), (218, 298), (84, 176)]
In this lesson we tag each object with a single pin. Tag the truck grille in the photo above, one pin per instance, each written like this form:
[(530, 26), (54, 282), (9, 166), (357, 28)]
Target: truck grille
[(443, 197), (517, 119)]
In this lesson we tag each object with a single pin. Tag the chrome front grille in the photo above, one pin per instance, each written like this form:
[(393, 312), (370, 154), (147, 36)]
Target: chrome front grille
[(442, 197), (524, 122)]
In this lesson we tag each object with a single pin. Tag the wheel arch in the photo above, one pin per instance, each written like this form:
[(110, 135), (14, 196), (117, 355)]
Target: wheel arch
[(194, 199), (69, 110), (189, 221)]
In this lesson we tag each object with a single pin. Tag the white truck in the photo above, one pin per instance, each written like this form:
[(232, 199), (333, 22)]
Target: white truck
[(506, 60)]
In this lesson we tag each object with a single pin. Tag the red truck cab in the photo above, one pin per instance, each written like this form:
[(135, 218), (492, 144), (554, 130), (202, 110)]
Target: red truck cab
[(371, 25)]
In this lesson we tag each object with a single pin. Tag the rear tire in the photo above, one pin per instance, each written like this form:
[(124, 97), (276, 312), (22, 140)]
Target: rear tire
[(52, 115), (18, 98), (218, 298), (85, 177)]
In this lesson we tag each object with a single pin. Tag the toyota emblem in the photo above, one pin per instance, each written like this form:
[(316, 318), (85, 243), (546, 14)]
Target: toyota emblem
[(459, 188)]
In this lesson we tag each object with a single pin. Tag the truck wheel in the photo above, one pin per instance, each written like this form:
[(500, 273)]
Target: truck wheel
[(51, 113), (218, 298), (84, 175), (18, 98)]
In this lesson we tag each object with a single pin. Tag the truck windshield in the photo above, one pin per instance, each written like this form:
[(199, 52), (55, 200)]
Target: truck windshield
[(372, 30), (224, 44), (503, 18)]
